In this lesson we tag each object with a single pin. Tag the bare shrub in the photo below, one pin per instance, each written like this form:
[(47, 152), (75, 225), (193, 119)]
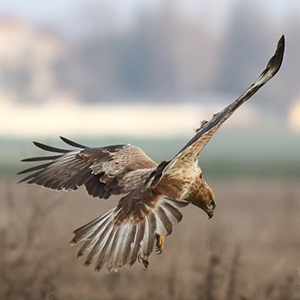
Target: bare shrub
[(232, 288), (250, 253), (27, 270)]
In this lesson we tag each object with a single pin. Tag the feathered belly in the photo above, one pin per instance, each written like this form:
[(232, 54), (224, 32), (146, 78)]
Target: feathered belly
[(176, 185)]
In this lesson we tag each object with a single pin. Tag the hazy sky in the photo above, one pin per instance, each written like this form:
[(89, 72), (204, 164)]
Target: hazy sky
[(69, 15)]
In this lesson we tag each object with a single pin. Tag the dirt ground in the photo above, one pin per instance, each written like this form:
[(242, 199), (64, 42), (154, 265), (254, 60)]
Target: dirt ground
[(250, 249)]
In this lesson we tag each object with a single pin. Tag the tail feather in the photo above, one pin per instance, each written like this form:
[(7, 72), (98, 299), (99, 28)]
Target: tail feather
[(99, 240), (88, 230), (172, 211), (117, 252), (105, 247), (117, 245), (148, 245), (136, 244), (168, 225), (129, 244)]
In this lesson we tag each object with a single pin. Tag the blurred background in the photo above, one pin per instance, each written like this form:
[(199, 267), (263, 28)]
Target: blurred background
[(147, 73), (123, 71)]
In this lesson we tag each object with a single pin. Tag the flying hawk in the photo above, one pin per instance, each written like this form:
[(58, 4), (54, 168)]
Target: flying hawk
[(150, 195)]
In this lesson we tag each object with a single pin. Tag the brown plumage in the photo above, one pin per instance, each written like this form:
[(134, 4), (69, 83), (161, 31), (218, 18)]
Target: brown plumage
[(151, 195)]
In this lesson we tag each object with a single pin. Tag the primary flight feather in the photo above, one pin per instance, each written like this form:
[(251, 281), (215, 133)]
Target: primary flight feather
[(151, 195)]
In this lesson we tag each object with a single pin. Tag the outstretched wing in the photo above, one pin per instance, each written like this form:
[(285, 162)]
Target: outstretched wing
[(105, 171), (128, 230), (189, 154)]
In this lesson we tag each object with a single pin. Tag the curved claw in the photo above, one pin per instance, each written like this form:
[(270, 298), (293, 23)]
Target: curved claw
[(144, 261), (159, 251)]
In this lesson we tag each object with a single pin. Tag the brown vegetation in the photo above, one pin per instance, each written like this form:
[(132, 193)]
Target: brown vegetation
[(249, 250)]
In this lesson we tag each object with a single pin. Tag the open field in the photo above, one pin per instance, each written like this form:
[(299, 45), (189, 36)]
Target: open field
[(249, 250)]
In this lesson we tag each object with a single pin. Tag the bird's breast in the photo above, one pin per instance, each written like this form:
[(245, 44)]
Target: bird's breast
[(176, 184)]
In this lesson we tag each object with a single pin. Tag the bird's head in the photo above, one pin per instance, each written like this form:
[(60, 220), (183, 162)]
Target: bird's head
[(204, 198)]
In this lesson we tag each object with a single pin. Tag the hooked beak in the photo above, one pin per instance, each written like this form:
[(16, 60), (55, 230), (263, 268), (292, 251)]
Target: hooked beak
[(210, 209), (210, 214)]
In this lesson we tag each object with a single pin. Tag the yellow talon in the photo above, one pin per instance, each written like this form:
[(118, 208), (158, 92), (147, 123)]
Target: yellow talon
[(159, 243), (145, 261)]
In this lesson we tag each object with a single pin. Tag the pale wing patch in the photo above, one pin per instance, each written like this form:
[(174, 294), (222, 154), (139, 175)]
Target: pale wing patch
[(125, 159), (133, 179)]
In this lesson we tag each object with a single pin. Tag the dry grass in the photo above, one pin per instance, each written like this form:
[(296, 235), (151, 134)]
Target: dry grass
[(249, 250)]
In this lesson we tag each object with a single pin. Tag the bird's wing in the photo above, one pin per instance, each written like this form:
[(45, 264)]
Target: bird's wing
[(105, 171), (122, 234), (189, 154)]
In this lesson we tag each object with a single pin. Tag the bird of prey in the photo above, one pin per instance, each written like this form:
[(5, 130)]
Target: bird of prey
[(150, 194)]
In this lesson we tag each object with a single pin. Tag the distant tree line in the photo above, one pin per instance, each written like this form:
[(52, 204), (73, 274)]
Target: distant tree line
[(167, 55)]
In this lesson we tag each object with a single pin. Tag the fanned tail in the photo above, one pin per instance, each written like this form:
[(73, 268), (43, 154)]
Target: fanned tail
[(118, 245)]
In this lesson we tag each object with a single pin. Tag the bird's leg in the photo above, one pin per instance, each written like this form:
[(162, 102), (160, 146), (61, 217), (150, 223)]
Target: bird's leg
[(143, 260), (159, 243), (159, 249)]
